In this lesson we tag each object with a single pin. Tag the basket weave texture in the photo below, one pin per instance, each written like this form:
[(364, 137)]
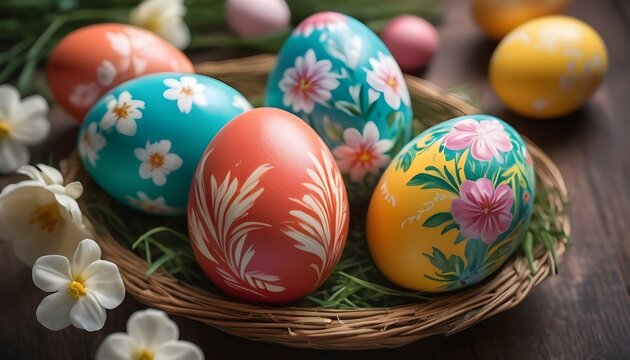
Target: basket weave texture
[(320, 328)]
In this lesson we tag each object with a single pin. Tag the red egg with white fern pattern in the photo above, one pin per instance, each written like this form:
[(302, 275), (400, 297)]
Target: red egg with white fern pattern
[(267, 211)]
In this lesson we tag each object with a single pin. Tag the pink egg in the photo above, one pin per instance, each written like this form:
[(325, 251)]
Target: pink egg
[(412, 40), (257, 18)]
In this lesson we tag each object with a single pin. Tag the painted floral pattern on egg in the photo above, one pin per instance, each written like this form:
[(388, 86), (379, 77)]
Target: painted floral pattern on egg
[(338, 76), (458, 200), (142, 141)]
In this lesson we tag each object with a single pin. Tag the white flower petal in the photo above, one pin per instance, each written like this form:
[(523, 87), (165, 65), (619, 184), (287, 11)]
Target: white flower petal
[(71, 206), (104, 282), (88, 314), (74, 189), (87, 253), (32, 172), (159, 178), (173, 83), (184, 103), (12, 156), (54, 311), (178, 350), (9, 101), (126, 127), (52, 273), (32, 131), (116, 346), (50, 174), (152, 328)]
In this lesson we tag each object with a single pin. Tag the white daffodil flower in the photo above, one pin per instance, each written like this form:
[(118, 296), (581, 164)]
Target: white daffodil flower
[(151, 335), (83, 288), (41, 215), (22, 123), (165, 18)]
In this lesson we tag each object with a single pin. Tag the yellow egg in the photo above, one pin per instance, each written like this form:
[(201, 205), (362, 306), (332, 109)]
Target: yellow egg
[(548, 67), (452, 206), (498, 17)]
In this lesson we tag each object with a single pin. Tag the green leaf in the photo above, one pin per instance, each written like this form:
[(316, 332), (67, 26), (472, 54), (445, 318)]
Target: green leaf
[(158, 263), (449, 176), (394, 117), (427, 181), (475, 252), (459, 238), (438, 259), (449, 227), (438, 219)]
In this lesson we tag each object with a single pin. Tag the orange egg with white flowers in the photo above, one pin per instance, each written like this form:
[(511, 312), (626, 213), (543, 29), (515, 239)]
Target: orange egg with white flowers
[(92, 60), (267, 210)]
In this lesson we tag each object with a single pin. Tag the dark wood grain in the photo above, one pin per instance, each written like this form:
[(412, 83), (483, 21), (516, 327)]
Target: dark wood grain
[(583, 313)]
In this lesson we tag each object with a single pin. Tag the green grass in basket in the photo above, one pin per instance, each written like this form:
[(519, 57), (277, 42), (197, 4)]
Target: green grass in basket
[(354, 283)]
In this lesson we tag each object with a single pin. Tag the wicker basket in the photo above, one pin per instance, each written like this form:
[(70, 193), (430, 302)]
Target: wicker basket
[(320, 328)]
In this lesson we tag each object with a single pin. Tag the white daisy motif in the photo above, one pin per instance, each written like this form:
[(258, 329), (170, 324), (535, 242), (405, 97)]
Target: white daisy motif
[(122, 114), (386, 78), (91, 143), (157, 162), (157, 206), (186, 91), (241, 103), (85, 95)]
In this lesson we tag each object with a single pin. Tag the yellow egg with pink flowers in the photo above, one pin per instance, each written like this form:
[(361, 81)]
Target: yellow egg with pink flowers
[(453, 205), (548, 67)]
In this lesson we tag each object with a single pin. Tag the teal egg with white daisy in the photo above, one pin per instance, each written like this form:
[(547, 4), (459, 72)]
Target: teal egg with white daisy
[(142, 141), (339, 77)]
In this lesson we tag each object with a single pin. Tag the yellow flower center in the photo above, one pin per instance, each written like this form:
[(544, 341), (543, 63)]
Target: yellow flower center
[(145, 355), (86, 140), (122, 112), (156, 160), (305, 84), (186, 91), (365, 156), (76, 289), (47, 217), (391, 81), (153, 24), (5, 129), (486, 210)]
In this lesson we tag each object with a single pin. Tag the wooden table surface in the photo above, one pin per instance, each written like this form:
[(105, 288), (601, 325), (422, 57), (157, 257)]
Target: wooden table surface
[(583, 313)]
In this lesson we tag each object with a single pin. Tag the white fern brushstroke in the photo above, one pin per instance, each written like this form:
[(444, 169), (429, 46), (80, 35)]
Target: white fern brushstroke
[(225, 226), (319, 224)]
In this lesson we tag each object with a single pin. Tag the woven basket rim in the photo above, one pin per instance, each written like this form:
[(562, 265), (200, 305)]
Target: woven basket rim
[(322, 328)]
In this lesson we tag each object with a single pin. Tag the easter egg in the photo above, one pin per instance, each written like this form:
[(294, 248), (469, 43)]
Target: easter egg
[(142, 141), (548, 67), (257, 18), (453, 205), (412, 40), (339, 77), (498, 17), (268, 212), (91, 60)]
